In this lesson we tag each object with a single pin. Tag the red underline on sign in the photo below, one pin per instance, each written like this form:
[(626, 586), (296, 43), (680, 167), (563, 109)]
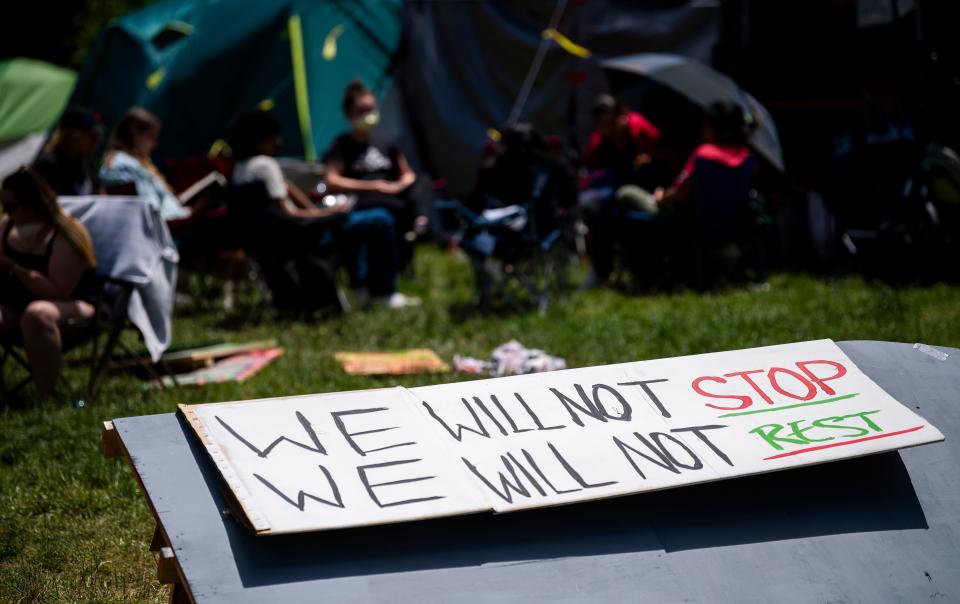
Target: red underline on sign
[(847, 442)]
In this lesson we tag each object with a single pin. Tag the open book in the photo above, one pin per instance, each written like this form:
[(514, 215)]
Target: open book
[(210, 182)]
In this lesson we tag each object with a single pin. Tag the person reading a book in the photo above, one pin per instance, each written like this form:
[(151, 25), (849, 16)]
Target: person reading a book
[(128, 169), (46, 259), (286, 216)]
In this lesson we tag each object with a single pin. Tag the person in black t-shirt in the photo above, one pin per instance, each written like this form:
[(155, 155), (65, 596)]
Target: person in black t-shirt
[(283, 223), (377, 174), (67, 163)]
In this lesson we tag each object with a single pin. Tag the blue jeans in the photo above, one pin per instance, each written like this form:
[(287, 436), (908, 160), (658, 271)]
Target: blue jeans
[(368, 241)]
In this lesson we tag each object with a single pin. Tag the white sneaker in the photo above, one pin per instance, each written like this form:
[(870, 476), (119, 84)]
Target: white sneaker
[(397, 300)]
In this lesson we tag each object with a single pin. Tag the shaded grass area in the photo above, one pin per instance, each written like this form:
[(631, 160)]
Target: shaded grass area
[(74, 526)]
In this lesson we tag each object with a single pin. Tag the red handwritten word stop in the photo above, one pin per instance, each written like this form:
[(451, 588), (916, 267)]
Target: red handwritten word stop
[(802, 384)]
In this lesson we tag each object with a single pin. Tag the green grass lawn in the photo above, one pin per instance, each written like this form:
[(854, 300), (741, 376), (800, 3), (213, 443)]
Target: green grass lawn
[(75, 528)]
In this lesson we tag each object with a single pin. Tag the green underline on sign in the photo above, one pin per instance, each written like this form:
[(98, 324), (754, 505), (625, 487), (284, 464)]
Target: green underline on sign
[(785, 407)]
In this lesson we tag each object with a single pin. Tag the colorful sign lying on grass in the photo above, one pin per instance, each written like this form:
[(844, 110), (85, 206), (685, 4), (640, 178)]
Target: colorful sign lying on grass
[(379, 456), (234, 368), (401, 362)]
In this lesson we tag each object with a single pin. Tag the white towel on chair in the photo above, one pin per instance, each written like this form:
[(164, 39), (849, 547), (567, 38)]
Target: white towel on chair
[(132, 242)]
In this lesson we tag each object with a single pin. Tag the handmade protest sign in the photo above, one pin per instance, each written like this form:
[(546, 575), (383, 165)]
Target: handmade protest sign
[(332, 460), (505, 444)]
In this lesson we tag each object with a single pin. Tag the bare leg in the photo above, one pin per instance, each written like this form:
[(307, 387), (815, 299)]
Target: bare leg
[(40, 326)]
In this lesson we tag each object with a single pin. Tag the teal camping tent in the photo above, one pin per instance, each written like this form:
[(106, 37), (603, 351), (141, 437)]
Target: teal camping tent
[(198, 64)]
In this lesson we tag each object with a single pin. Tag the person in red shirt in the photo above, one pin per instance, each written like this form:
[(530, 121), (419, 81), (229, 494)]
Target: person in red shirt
[(619, 152), (707, 206), (623, 139), (707, 200), (722, 166)]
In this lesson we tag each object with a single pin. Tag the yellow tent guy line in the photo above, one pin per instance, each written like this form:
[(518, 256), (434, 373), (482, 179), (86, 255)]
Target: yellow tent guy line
[(566, 43)]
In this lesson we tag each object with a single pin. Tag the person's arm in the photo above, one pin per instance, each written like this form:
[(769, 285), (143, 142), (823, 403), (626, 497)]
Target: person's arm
[(289, 199), (671, 195), (338, 183), (290, 208), (407, 175), (303, 206), (298, 197), (64, 272), (679, 191), (682, 186)]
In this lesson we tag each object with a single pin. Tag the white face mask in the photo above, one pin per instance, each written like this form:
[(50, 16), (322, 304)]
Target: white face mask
[(367, 121), (30, 229)]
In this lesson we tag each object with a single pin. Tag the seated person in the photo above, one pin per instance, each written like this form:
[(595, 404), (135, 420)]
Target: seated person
[(45, 259), (718, 175), (289, 218), (378, 174), (128, 169), (67, 162), (620, 152), (622, 141), (692, 222), (708, 196), (521, 172)]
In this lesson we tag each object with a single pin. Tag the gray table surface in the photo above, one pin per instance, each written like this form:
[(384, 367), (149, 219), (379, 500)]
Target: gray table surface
[(882, 528)]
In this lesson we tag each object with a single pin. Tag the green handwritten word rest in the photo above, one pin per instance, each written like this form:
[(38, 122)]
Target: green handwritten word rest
[(805, 432)]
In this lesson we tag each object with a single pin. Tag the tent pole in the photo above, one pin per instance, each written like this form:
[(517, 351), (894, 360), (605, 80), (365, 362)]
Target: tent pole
[(300, 86), (534, 70)]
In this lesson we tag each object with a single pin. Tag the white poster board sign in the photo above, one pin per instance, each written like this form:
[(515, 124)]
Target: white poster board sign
[(333, 460), (380, 456)]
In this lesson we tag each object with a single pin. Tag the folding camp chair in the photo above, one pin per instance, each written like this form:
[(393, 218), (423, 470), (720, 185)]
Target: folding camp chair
[(300, 274), (514, 265), (102, 332), (714, 238), (211, 247), (727, 221)]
